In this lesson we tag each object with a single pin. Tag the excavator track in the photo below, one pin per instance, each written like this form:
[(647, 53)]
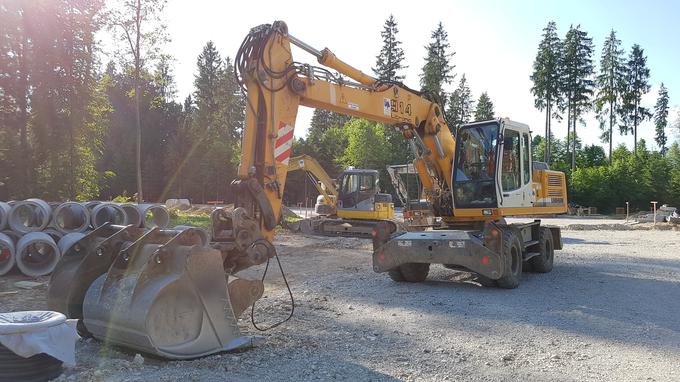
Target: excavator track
[(336, 227)]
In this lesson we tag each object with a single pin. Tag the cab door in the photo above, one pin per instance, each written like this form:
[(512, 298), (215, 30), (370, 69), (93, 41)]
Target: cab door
[(515, 168)]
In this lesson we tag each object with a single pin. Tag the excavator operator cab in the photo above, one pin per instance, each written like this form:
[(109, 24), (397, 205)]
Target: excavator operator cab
[(493, 165), (357, 186)]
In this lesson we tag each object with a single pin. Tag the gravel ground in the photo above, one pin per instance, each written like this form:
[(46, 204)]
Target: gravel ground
[(610, 310)]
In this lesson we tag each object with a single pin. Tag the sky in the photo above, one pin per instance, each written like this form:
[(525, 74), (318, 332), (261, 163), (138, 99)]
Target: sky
[(495, 42)]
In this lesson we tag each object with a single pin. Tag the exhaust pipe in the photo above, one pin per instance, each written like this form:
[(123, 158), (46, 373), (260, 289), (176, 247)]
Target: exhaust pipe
[(107, 213), (30, 215), (37, 254), (7, 254), (154, 216), (71, 217)]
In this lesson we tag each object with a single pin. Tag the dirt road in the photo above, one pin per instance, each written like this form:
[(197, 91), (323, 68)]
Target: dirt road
[(610, 310)]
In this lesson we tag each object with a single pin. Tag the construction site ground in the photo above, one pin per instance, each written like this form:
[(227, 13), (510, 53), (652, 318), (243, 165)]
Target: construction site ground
[(609, 311)]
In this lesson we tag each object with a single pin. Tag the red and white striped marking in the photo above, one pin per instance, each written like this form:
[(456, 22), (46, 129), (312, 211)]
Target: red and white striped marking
[(284, 143)]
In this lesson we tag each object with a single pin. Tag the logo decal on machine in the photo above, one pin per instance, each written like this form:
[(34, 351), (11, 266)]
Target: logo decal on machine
[(284, 143)]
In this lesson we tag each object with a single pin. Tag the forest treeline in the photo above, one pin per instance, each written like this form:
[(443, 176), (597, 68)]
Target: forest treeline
[(68, 121)]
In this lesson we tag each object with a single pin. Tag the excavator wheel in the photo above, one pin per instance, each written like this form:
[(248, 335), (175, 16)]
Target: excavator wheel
[(512, 255), (414, 272), (543, 263), (395, 275)]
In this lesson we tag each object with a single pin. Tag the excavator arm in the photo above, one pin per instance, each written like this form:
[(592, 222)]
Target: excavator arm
[(322, 181), (276, 86)]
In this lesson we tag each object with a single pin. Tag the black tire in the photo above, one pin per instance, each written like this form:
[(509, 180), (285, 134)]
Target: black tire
[(543, 263), (512, 255), (415, 272), (40, 367), (485, 281), (395, 275)]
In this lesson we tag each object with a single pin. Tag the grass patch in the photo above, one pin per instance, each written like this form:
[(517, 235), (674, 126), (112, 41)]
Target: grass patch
[(195, 220)]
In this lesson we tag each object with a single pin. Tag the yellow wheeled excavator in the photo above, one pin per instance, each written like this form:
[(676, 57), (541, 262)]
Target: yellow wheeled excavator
[(169, 293), (352, 209)]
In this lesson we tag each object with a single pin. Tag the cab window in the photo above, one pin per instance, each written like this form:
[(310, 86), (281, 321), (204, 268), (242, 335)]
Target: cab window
[(475, 171), (525, 158), (511, 175)]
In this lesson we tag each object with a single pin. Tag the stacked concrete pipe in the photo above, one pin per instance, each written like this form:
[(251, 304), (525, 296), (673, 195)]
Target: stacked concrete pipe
[(134, 215), (4, 215), (55, 234), (69, 240), (71, 217), (107, 213), (37, 254), (7, 254), (30, 215), (154, 215)]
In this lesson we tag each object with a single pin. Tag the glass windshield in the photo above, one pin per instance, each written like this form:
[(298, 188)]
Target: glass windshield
[(358, 182), (475, 171)]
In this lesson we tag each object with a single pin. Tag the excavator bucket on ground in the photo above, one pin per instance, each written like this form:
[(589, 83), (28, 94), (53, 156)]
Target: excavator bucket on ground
[(161, 292)]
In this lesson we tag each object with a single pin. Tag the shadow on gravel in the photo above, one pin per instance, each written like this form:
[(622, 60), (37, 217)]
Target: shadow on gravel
[(572, 240), (632, 301)]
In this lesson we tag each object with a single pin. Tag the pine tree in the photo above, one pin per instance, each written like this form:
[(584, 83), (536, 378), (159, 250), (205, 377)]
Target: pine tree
[(546, 78), (460, 105), (610, 84), (484, 109), (661, 119), (141, 29), (577, 83), (209, 65), (390, 62), (637, 84), (437, 70)]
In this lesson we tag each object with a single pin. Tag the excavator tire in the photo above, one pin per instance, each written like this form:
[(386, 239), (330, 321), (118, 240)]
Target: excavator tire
[(512, 255), (543, 263), (395, 275), (486, 282), (415, 272)]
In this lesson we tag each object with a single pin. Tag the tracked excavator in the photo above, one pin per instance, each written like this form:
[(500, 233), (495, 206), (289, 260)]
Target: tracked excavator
[(350, 210), (171, 294)]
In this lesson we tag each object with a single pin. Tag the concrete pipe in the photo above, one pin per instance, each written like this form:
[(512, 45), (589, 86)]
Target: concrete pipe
[(37, 254), (134, 215), (30, 215), (7, 254), (54, 234), (91, 204), (69, 240), (4, 215), (71, 217), (205, 238), (107, 213), (13, 235), (154, 215)]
